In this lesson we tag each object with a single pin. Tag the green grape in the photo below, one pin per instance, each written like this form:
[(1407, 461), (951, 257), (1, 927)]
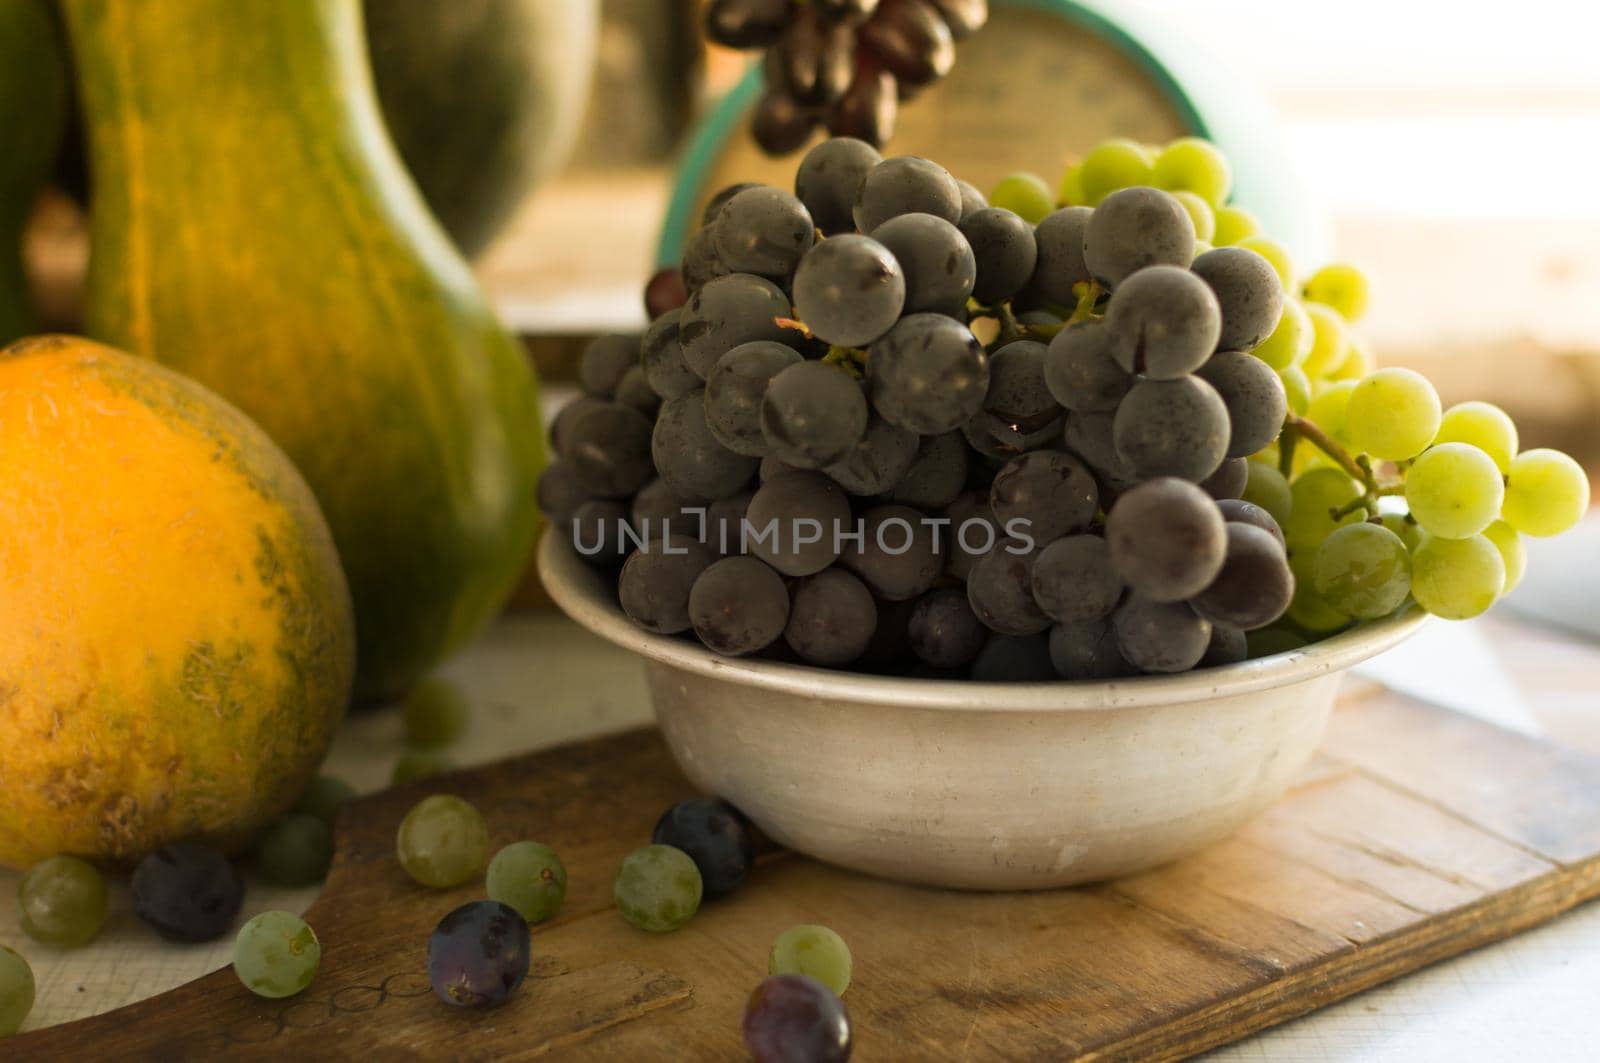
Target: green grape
[(323, 797), (1405, 527), (529, 877), (442, 842), (1457, 578), (1313, 497), (812, 950), (419, 764), (1291, 341), (1233, 225), (1296, 389), (1205, 222), (1512, 551), (1485, 426), (435, 714), (1308, 609), (1025, 195), (1265, 486), (1454, 490), (1110, 165), (1546, 493), (1270, 640), (1071, 190), (657, 888), (295, 850), (1190, 164), (1330, 407), (1275, 254), (16, 991), (1330, 345), (276, 955), (1341, 286), (1357, 362), (62, 901), (1392, 414), (1363, 571)]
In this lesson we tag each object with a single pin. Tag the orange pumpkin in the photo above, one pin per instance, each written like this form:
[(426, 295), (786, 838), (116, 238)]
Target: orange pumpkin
[(176, 636)]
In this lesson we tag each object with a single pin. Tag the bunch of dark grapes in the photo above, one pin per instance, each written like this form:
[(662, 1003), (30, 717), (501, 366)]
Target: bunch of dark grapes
[(896, 429), (841, 64)]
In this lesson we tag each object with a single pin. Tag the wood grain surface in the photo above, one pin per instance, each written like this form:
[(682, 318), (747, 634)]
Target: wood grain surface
[(1416, 834)]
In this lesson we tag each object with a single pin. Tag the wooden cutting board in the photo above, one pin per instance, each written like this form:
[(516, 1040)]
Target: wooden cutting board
[(1415, 835)]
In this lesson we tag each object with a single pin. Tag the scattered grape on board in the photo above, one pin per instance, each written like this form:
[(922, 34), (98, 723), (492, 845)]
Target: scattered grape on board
[(841, 64), (898, 428)]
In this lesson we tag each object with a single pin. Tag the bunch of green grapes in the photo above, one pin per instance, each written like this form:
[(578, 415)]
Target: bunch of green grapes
[(1384, 497)]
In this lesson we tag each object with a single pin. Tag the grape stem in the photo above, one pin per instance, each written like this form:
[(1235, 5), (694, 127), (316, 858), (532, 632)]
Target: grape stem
[(793, 323), (1313, 434), (849, 359), (1088, 293), (1010, 328)]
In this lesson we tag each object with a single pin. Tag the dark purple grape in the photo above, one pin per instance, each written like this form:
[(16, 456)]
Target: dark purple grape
[(478, 955), (1167, 539), (1242, 512), (635, 392), (1228, 482), (813, 414), (1003, 250), (1253, 395), (936, 475), (747, 23), (700, 264), (1255, 585), (601, 532), (1172, 428), (853, 11), (793, 1018), (1133, 228), (1051, 494), (609, 447), (1059, 263), (738, 605), (664, 368), (971, 533), (1228, 646), (794, 521), (655, 583), (726, 312), (1081, 371), (658, 511), (1160, 637), (725, 519), (1000, 588), (929, 374), (780, 124), (187, 892), (734, 391), (604, 361), (1073, 579), (868, 108), (936, 259), (1009, 659), (716, 838), (832, 618), (944, 631), (1163, 322), (814, 60), (665, 290), (690, 457), (764, 231), (898, 554), (878, 460), (561, 491), (910, 39), (1247, 289), (567, 417), (829, 177), (972, 200), (849, 290), (1087, 649), (906, 184), (1017, 393)]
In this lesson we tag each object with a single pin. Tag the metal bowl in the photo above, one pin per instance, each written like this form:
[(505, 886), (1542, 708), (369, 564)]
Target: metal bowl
[(982, 786)]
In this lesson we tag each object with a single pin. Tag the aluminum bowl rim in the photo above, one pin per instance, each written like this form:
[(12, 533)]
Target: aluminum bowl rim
[(581, 593)]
